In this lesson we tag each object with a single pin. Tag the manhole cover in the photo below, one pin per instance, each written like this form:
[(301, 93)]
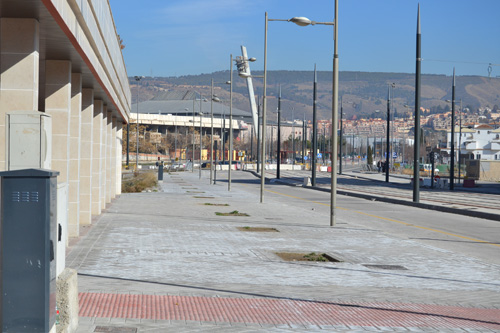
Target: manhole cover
[(388, 267), (307, 256), (112, 329), (258, 229)]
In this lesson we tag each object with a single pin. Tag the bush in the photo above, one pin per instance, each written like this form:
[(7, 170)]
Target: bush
[(140, 182)]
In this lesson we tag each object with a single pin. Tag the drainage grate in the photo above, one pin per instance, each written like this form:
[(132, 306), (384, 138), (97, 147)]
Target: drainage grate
[(388, 267), (112, 329)]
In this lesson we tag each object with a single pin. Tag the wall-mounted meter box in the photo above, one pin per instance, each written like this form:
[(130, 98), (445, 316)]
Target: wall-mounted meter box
[(28, 231), (28, 140)]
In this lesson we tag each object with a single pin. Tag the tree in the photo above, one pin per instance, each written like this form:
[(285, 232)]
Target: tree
[(369, 158)]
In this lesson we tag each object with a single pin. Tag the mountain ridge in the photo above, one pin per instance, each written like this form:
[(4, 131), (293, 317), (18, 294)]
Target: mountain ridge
[(362, 92)]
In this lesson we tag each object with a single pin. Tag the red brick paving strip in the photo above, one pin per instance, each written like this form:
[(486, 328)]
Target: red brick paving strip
[(283, 311)]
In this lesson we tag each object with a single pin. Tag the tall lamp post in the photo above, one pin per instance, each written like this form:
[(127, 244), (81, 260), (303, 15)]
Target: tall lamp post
[(201, 142), (303, 21), (459, 138), (452, 167), (341, 132), (193, 140), (314, 154), (278, 153), (230, 82), (212, 130), (388, 147), (416, 145), (138, 79)]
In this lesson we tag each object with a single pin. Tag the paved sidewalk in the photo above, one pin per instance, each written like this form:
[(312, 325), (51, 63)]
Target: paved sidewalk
[(158, 262), (481, 201)]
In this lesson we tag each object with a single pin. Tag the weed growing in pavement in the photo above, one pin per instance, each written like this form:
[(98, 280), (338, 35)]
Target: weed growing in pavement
[(233, 213), (258, 229)]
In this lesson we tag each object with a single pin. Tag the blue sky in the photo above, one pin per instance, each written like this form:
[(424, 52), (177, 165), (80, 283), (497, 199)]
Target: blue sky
[(184, 37)]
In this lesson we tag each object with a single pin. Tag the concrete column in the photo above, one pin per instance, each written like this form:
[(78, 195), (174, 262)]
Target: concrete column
[(114, 156), (74, 155), (109, 141), (104, 160), (86, 153), (96, 157), (58, 106), (19, 70), (119, 144)]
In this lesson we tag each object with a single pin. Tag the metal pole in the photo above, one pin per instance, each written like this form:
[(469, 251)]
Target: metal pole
[(264, 101), (223, 137), (251, 143), (259, 133), (192, 138), (341, 134), (314, 131), (416, 145), (138, 79), (230, 124), (460, 142), (212, 131), (452, 166), (304, 140), (128, 145), (293, 140), (335, 112), (278, 154), (388, 147), (201, 142)]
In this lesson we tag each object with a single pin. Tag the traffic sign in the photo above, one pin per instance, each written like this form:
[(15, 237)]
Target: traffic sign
[(319, 155)]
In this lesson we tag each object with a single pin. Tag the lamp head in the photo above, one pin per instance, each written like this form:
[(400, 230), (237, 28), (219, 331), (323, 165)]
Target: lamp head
[(301, 21)]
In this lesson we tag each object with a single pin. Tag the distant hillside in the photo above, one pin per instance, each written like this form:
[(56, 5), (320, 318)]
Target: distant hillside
[(363, 92)]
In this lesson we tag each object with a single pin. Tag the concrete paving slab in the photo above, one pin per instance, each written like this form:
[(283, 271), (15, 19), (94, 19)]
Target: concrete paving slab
[(169, 246)]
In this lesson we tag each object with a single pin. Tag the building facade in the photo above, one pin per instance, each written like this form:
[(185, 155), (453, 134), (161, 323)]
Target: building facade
[(64, 59)]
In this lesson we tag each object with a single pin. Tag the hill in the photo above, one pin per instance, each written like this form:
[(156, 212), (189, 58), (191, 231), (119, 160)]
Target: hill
[(363, 92)]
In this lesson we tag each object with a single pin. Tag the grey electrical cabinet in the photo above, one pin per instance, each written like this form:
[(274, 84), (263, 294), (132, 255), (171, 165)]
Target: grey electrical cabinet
[(28, 138), (28, 237)]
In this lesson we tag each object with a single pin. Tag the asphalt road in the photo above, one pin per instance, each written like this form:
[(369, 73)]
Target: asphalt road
[(475, 237)]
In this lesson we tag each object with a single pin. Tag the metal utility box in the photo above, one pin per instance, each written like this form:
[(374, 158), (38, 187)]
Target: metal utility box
[(28, 140), (28, 238)]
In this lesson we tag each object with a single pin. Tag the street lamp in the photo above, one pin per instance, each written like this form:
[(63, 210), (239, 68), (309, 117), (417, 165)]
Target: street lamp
[(212, 129), (341, 133), (303, 21), (453, 134), (230, 82), (213, 98), (138, 79), (278, 152), (201, 142), (388, 149)]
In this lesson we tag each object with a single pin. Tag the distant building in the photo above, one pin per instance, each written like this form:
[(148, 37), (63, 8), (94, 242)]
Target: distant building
[(479, 143)]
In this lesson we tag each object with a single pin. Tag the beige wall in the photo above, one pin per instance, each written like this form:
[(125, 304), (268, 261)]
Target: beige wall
[(19, 70), (490, 171)]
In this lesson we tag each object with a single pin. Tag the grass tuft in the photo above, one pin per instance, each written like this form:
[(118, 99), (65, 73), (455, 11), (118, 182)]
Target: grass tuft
[(140, 182)]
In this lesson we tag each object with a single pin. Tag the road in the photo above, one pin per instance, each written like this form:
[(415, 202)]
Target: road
[(471, 236)]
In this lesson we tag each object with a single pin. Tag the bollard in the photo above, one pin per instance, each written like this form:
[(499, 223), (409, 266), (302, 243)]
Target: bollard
[(160, 172)]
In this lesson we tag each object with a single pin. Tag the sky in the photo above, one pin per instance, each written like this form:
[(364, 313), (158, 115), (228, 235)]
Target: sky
[(190, 37)]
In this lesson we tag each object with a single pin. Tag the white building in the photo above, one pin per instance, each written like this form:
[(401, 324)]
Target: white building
[(479, 143)]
